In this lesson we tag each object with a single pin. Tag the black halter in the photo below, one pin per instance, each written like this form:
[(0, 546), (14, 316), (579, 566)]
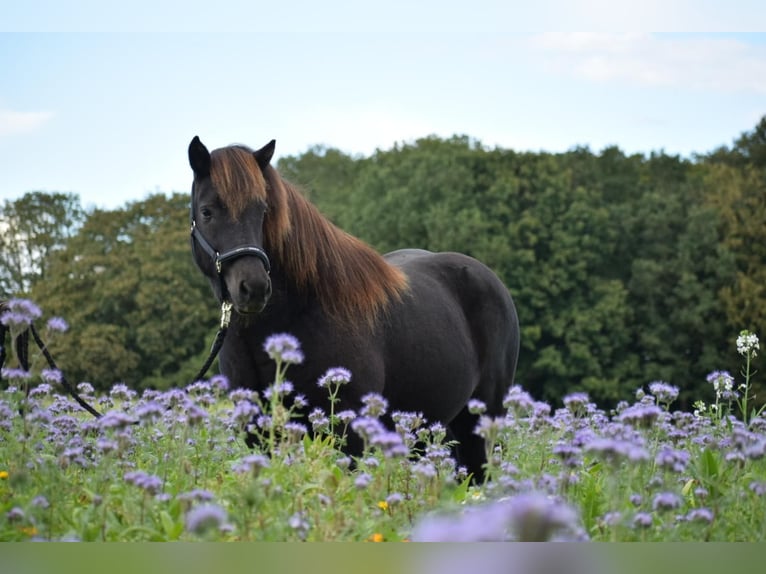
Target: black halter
[(220, 258)]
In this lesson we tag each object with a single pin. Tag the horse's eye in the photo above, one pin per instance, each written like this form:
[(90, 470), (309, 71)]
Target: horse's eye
[(206, 213)]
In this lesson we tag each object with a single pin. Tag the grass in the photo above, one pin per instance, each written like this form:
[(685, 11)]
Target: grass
[(174, 466)]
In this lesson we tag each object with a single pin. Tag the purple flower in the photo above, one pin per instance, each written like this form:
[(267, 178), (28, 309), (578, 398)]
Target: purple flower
[(51, 376), (642, 520), (281, 389), (438, 431), (571, 456), (424, 469), (577, 403), (701, 492), (243, 412), (148, 482), (374, 405), (219, 383), (252, 464), (299, 524), (758, 487), (362, 481), (240, 395), (85, 388), (295, 430), (57, 325), (319, 421), (757, 450), (115, 420), (149, 411), (672, 459), (616, 450), (663, 392), (194, 413), (199, 388), (15, 514), (205, 518), (704, 515), (407, 422), (722, 382), (196, 495), (106, 446), (612, 518), (489, 428), (518, 400), (476, 407), (391, 444), (367, 427), (531, 517), (16, 375), (40, 502), (284, 348), (334, 378), (121, 392), (346, 416), (666, 501), (20, 313), (394, 498), (41, 390), (642, 416)]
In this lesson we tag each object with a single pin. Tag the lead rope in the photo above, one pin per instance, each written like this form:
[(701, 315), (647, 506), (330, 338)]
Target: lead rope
[(22, 349), (226, 307)]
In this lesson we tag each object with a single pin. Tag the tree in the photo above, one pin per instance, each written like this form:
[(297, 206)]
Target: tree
[(32, 228)]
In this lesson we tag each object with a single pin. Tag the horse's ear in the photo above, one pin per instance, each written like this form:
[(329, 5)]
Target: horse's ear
[(199, 158), (263, 156)]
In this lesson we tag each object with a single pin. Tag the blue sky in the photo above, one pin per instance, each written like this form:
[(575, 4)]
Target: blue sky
[(110, 115)]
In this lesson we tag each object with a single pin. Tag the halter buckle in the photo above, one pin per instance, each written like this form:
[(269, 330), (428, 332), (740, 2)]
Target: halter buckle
[(226, 307)]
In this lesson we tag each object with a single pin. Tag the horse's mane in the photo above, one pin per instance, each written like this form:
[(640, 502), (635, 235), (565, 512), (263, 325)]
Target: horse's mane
[(350, 279)]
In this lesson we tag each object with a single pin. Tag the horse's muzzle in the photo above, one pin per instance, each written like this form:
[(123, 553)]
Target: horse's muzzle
[(249, 296)]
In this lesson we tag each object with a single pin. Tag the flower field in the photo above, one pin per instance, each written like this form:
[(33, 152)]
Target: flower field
[(165, 466)]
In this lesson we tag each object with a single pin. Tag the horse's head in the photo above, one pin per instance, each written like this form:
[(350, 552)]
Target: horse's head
[(228, 205)]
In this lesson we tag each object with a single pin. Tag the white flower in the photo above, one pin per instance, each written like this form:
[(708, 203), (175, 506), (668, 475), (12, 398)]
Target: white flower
[(747, 342)]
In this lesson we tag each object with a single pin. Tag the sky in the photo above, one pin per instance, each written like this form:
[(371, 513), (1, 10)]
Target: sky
[(103, 101)]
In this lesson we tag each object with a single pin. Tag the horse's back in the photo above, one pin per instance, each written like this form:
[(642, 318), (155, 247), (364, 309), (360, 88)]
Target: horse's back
[(474, 314)]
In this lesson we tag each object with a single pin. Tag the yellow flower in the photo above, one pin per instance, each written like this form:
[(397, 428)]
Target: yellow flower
[(383, 505), (377, 537), (29, 530), (3, 474)]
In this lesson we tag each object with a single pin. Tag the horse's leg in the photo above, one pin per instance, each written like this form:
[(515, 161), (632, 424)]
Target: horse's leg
[(470, 448)]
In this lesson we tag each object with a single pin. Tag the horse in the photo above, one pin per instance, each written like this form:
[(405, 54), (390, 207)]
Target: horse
[(427, 331)]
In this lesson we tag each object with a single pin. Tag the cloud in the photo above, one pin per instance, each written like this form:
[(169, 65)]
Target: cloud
[(13, 122), (723, 64)]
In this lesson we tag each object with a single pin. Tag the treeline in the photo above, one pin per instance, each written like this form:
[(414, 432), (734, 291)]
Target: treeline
[(625, 268)]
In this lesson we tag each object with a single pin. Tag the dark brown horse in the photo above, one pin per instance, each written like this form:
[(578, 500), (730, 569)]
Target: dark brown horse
[(428, 331)]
